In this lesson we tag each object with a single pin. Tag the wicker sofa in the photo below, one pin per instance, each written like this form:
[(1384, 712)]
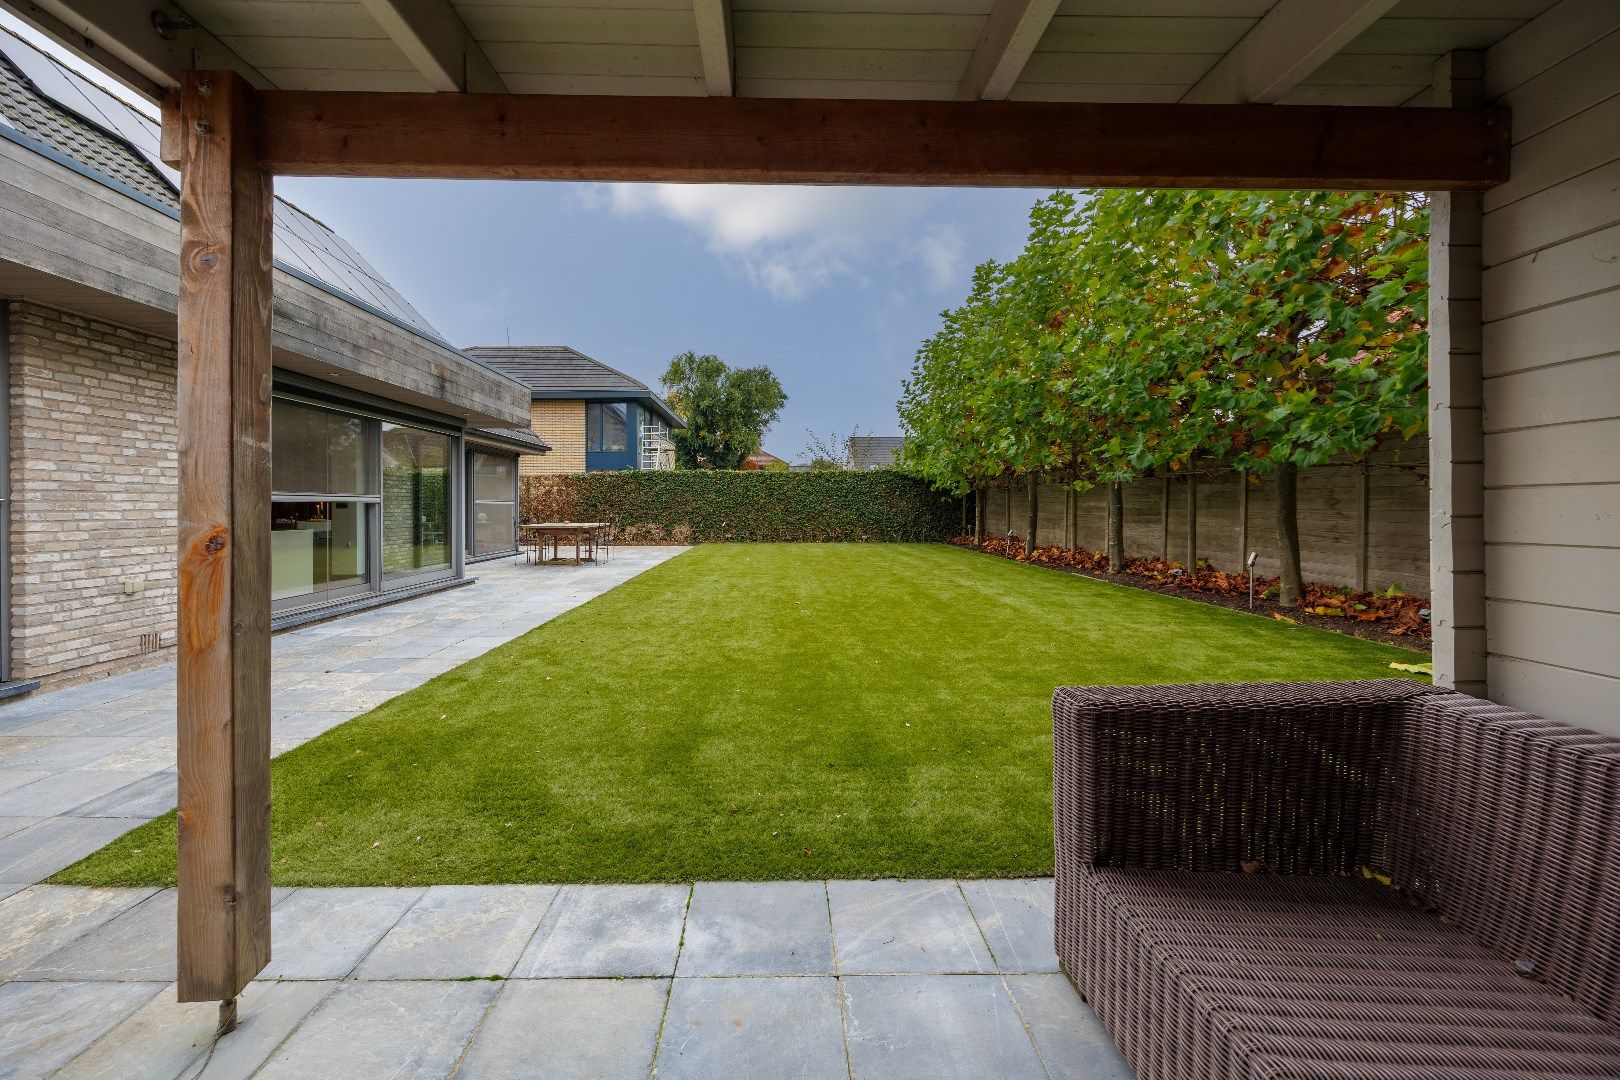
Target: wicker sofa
[(1371, 880)]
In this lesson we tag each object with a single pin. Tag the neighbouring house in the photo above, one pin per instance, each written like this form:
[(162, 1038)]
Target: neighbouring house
[(763, 459), (594, 417), (874, 451), (394, 456)]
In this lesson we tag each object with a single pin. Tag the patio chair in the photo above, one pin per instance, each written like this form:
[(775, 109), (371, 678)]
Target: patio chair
[(1373, 879)]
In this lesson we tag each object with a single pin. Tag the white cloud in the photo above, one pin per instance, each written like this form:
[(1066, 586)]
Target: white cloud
[(790, 240)]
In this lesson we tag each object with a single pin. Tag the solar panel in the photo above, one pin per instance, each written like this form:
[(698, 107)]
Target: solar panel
[(302, 243)]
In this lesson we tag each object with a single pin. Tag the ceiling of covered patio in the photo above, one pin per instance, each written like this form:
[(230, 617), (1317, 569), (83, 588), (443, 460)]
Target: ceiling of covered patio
[(1344, 52)]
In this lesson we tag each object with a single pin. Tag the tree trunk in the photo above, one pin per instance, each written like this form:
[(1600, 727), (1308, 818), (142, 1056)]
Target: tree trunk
[(1029, 533), (1116, 528), (1192, 520), (1288, 533), (978, 515)]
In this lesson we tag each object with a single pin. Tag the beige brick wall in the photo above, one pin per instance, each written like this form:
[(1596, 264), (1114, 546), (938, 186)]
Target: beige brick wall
[(562, 425), (95, 482)]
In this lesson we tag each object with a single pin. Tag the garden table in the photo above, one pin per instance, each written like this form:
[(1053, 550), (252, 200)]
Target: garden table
[(584, 535)]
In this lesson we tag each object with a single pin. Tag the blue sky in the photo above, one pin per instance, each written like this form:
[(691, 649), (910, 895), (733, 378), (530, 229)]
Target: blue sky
[(831, 288)]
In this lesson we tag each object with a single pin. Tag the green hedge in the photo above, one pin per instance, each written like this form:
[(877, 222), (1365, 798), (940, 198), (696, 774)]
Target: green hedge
[(693, 506)]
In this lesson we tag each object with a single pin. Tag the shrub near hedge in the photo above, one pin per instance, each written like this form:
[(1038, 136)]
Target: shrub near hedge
[(694, 506)]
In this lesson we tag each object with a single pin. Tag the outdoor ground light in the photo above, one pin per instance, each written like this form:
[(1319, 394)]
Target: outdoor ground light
[(1248, 566)]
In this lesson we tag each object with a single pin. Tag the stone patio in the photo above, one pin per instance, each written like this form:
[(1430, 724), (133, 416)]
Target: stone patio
[(82, 766), (846, 979), (882, 979)]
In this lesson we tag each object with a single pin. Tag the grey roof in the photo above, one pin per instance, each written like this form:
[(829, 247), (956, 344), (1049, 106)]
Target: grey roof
[(53, 106), (520, 439), (874, 451), (561, 371)]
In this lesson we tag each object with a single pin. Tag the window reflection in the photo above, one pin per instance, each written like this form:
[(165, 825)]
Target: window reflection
[(316, 546), (416, 500)]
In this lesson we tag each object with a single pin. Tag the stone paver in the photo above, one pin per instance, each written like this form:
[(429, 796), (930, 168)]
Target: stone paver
[(1016, 918), (570, 1029), (758, 928), (596, 931), (936, 1027), (916, 927), (456, 930), (414, 1029), (408, 982), (324, 933), (787, 1028), (95, 760)]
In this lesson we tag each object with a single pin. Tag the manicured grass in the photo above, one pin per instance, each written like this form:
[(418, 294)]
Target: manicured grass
[(747, 711)]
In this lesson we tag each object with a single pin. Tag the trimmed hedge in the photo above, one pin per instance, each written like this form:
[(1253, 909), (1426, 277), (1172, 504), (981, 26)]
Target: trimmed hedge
[(692, 506)]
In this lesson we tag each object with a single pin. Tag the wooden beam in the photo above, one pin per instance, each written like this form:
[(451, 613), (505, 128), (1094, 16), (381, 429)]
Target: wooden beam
[(715, 46), (224, 610), (145, 46), (1293, 39), (437, 43), (1011, 32), (782, 141)]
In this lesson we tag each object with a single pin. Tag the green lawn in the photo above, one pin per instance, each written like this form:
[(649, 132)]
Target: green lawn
[(752, 712)]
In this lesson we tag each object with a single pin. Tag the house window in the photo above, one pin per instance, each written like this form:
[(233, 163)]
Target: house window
[(607, 427), (416, 483), (492, 523), (323, 504)]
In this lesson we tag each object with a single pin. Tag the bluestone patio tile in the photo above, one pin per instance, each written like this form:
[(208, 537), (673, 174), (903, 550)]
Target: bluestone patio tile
[(735, 1029), (136, 945), (936, 1027), (9, 825), (569, 1029), (43, 1026), (149, 755), (54, 755), (1070, 1038), (63, 792), (460, 931), (606, 930), (1015, 917), (376, 1029), (36, 853), (757, 928), (146, 798), (40, 920), (11, 888), (12, 777), (166, 1039), (323, 933), (884, 927)]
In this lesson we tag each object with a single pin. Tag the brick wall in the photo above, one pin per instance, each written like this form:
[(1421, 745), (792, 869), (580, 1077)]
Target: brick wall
[(562, 425), (95, 483)]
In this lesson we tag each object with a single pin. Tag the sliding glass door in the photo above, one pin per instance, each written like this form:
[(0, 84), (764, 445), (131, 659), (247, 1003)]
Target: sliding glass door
[(323, 506), (416, 517), (492, 503)]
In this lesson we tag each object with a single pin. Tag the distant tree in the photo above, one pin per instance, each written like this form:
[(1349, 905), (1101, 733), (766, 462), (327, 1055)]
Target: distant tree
[(829, 450), (727, 410)]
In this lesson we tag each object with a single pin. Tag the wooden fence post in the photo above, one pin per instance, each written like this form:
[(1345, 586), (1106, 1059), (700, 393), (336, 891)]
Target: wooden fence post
[(1164, 520), (1192, 519), (1363, 524), (223, 685)]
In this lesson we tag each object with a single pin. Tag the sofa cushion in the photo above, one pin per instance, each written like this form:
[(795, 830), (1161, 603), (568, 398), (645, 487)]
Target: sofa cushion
[(1261, 975)]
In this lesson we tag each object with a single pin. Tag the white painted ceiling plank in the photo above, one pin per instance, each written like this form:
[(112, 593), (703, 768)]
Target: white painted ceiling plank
[(144, 46), (436, 42), (1293, 40), (714, 43), (1011, 32)]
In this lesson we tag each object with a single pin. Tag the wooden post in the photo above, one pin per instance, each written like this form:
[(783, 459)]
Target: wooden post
[(1034, 508), (1115, 543), (1192, 519), (1164, 520), (1243, 518), (1363, 525), (224, 609)]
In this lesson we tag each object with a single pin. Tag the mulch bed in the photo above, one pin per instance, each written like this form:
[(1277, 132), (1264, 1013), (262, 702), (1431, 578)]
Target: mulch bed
[(1393, 619)]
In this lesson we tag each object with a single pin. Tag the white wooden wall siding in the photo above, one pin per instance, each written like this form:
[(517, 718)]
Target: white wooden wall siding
[(1551, 356), (1089, 50)]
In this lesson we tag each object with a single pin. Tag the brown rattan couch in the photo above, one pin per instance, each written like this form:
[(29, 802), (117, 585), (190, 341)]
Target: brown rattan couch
[(1222, 859)]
